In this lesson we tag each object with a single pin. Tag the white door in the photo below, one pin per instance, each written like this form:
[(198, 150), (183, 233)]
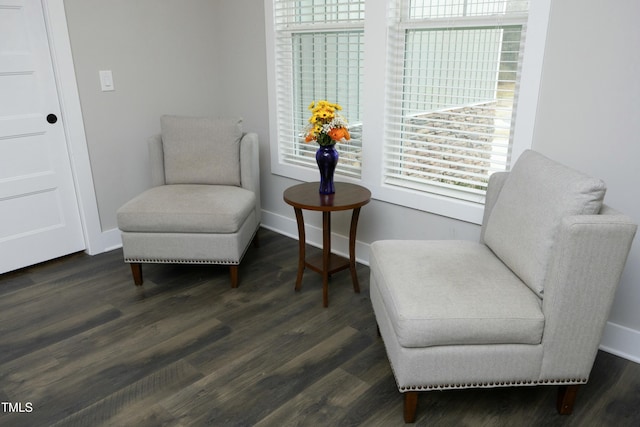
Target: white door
[(39, 215)]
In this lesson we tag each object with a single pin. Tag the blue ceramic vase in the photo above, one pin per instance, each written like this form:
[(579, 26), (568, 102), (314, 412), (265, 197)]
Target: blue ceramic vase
[(327, 159)]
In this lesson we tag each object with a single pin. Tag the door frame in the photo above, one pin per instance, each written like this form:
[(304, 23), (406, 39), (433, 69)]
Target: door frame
[(60, 49)]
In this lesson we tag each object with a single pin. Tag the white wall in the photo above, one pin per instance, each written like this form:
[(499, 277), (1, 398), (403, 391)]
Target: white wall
[(163, 55), (208, 57), (589, 118)]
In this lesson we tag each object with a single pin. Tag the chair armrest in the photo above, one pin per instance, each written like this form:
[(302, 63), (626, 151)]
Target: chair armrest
[(250, 167), (496, 182), (586, 263), (156, 160)]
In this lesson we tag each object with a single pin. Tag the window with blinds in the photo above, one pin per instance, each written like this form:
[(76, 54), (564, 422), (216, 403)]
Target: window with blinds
[(319, 55), (452, 91)]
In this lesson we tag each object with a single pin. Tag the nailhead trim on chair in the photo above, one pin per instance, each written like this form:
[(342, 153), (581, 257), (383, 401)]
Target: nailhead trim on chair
[(492, 384), (181, 261), (191, 261)]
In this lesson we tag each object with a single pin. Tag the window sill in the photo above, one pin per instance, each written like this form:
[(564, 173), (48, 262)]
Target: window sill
[(462, 210), (447, 206)]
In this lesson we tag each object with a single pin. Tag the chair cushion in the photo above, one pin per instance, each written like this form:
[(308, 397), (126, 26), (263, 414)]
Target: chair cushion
[(449, 292), (187, 208), (524, 221), (201, 150)]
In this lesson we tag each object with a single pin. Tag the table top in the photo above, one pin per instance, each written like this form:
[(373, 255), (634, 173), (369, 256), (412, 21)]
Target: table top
[(347, 196)]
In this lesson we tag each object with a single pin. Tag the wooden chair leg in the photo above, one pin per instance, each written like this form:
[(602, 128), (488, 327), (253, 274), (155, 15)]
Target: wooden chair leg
[(566, 398), (136, 270), (410, 406), (233, 269)]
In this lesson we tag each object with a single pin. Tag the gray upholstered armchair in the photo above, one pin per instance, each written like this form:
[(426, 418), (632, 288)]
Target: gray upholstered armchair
[(204, 207), (525, 306)]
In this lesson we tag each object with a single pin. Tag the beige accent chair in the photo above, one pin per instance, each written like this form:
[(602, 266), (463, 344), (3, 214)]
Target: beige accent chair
[(204, 207), (527, 305)]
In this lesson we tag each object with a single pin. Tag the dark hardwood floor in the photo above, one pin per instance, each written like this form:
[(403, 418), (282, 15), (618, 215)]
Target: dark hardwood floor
[(83, 346)]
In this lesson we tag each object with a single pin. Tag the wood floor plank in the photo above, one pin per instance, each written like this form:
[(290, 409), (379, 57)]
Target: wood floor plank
[(88, 361), (128, 405), (26, 340), (86, 347), (322, 403), (240, 399)]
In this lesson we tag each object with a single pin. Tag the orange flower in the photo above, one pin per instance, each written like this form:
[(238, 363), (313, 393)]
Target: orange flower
[(338, 134)]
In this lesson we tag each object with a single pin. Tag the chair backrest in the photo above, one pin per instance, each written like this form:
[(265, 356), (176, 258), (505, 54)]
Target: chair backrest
[(249, 165), (537, 194), (197, 150)]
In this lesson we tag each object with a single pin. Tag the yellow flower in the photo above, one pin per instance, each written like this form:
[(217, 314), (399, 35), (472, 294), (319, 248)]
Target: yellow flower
[(325, 125)]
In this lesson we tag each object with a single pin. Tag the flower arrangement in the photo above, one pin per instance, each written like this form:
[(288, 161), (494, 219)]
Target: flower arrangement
[(326, 126)]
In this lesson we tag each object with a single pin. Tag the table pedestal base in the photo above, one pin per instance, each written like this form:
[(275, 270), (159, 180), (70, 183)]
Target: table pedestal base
[(328, 263)]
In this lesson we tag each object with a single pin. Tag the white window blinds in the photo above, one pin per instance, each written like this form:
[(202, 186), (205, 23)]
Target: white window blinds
[(319, 55), (451, 95)]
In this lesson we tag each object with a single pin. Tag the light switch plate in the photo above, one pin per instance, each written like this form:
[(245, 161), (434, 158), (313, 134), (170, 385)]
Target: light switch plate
[(106, 80)]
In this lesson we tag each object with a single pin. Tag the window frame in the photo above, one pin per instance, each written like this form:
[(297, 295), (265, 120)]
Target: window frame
[(281, 162), (410, 106), (374, 98)]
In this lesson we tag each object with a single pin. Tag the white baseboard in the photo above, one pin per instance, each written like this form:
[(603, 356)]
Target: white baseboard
[(621, 341), (107, 241), (313, 235)]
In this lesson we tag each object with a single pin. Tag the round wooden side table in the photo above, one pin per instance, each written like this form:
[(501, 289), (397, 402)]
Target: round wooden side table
[(347, 197)]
